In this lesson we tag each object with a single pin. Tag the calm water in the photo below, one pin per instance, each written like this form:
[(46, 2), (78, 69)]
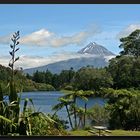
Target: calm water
[(44, 101)]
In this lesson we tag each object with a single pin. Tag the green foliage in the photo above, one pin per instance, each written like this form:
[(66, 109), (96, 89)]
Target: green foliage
[(39, 77), (68, 87), (59, 124), (133, 114), (22, 83), (92, 79), (12, 122), (4, 73), (131, 44), (125, 72), (35, 123), (7, 120), (1, 93), (44, 87), (98, 115), (28, 122), (123, 106), (48, 77), (66, 76), (42, 125), (57, 81), (64, 103), (69, 102), (13, 93), (87, 78)]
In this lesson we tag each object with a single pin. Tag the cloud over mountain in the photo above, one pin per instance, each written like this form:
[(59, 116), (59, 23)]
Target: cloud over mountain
[(129, 29), (26, 61)]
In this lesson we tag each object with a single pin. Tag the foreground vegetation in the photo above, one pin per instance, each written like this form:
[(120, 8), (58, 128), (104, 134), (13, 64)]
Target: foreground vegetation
[(14, 122)]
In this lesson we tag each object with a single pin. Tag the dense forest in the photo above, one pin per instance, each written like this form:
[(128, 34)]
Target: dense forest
[(122, 72), (119, 83)]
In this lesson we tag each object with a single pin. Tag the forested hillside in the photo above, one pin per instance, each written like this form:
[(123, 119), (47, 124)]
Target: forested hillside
[(122, 72), (22, 82)]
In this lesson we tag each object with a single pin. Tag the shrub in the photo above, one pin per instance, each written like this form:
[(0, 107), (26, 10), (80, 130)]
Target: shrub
[(98, 115), (68, 87)]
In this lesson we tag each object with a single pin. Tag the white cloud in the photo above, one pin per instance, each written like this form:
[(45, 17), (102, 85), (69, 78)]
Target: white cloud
[(5, 39), (77, 38), (36, 61), (107, 58), (4, 60), (37, 38), (125, 32), (46, 38)]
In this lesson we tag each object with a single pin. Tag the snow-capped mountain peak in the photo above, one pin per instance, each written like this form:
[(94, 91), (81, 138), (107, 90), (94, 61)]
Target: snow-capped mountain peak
[(90, 46), (95, 49), (91, 55)]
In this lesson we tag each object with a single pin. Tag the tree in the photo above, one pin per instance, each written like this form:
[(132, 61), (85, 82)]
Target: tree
[(28, 76), (80, 113), (71, 75), (98, 115), (55, 81), (66, 77), (133, 114), (135, 71), (39, 77), (123, 106), (14, 39), (120, 70), (64, 103), (125, 71), (131, 44), (48, 77), (73, 96), (92, 79)]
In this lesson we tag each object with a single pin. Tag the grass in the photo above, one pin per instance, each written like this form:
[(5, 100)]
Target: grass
[(113, 133), (125, 133), (80, 133)]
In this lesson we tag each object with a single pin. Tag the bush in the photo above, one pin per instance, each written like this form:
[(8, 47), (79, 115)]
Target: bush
[(50, 88), (98, 115), (123, 106), (87, 128), (68, 87), (40, 127)]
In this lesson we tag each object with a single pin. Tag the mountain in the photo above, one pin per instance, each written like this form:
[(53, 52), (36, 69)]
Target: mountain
[(76, 63), (91, 55), (95, 49)]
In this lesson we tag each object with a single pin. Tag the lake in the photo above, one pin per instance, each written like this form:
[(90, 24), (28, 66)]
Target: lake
[(44, 101)]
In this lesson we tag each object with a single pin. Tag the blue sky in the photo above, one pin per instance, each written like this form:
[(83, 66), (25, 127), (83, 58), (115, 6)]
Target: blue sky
[(65, 28)]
